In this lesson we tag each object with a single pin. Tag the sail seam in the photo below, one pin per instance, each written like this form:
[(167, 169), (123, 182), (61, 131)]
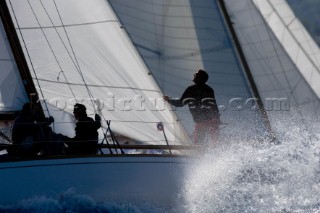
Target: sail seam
[(67, 25), (304, 52), (294, 37), (96, 85)]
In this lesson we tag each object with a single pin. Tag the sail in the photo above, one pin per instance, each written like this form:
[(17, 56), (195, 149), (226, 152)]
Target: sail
[(12, 92), (283, 58), (120, 56), (78, 52), (295, 39), (178, 37)]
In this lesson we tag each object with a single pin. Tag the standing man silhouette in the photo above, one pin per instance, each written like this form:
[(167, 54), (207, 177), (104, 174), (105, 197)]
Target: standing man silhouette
[(203, 107)]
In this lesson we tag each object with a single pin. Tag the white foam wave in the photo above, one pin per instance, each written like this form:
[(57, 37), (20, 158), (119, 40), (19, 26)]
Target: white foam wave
[(246, 176)]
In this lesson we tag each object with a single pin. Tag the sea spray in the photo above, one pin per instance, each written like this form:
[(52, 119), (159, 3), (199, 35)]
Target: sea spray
[(250, 176)]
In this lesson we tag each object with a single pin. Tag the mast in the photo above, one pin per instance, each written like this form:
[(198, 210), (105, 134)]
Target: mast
[(19, 57), (247, 70)]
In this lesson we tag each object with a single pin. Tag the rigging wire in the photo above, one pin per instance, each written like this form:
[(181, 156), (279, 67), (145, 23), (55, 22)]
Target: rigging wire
[(138, 51), (61, 70), (77, 65), (28, 54), (155, 32), (48, 42), (260, 58), (93, 100), (75, 58)]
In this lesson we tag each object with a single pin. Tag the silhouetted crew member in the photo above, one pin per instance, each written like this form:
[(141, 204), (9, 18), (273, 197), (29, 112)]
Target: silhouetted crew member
[(203, 107), (28, 135), (86, 139)]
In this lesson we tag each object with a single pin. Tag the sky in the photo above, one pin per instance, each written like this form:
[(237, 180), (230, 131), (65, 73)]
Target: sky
[(308, 11)]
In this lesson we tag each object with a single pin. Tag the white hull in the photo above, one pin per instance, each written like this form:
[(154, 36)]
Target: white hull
[(121, 179)]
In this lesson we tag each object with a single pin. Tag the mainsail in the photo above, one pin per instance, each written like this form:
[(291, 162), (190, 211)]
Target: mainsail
[(178, 37)]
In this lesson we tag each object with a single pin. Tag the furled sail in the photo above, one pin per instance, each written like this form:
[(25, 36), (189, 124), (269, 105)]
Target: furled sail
[(12, 92), (78, 52), (283, 58)]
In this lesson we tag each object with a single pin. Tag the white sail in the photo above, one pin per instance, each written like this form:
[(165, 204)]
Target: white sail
[(295, 39), (283, 58), (12, 91), (77, 52)]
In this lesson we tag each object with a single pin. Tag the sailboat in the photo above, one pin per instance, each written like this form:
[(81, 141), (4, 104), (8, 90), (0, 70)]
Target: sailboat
[(119, 57)]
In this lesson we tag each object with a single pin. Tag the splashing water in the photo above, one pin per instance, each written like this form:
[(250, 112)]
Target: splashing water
[(242, 176), (237, 176)]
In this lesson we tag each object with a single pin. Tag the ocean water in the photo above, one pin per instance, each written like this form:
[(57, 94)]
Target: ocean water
[(238, 175), (70, 202)]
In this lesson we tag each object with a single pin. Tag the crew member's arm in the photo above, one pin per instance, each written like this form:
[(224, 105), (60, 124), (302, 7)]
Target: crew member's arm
[(97, 119), (185, 99)]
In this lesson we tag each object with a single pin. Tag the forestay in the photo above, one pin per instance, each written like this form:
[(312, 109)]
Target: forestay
[(77, 51)]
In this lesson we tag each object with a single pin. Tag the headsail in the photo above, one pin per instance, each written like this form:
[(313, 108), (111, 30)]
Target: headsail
[(77, 52), (282, 56), (12, 92)]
